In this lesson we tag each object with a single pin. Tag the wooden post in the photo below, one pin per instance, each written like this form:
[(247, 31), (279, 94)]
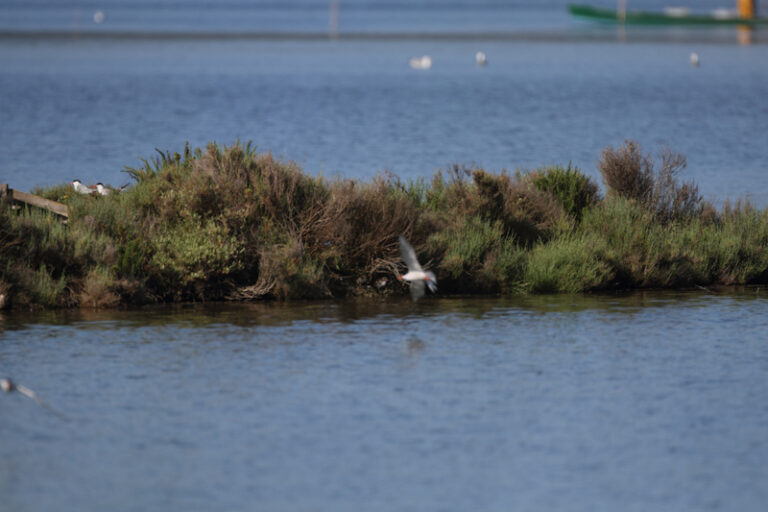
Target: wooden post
[(5, 193), (33, 200), (57, 208)]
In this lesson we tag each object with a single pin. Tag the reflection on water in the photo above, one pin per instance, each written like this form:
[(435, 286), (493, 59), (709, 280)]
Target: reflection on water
[(275, 313), (589, 402)]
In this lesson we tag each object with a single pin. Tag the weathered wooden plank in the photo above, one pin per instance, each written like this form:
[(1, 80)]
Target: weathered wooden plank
[(23, 197)]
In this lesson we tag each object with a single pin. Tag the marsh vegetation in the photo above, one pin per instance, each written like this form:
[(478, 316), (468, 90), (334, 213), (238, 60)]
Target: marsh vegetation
[(230, 223)]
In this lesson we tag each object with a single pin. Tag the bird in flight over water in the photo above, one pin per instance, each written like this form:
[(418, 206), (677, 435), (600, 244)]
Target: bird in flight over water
[(416, 276), (8, 386)]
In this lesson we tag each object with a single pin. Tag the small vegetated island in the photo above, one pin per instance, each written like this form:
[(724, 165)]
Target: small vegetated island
[(229, 223)]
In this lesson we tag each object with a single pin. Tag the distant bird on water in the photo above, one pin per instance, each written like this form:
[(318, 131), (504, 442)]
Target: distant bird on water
[(694, 58), (416, 276), (8, 386), (481, 59), (423, 62)]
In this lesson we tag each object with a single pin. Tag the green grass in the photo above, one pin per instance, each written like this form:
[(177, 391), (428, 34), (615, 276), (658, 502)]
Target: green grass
[(229, 223)]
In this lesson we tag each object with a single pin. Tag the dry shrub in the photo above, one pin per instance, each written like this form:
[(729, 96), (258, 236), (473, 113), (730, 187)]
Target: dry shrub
[(284, 193), (708, 213), (229, 167), (629, 174), (98, 289), (526, 212), (354, 234), (673, 200), (454, 193), (287, 272)]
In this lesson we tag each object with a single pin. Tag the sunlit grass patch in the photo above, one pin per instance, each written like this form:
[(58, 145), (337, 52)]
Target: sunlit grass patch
[(571, 264)]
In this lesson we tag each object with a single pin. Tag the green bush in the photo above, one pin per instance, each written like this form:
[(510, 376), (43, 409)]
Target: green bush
[(191, 255), (572, 189), (44, 289), (570, 264), (230, 223)]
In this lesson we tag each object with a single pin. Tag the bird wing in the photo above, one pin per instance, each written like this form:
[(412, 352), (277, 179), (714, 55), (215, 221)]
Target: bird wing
[(417, 289), (432, 283), (409, 255), (24, 390)]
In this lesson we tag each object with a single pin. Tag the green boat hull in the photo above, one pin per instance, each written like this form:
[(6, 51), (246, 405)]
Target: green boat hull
[(651, 18)]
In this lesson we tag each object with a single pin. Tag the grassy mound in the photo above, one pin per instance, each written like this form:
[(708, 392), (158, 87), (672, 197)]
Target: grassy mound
[(228, 223)]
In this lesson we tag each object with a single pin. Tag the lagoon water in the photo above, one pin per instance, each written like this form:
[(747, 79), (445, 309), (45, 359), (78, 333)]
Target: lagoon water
[(83, 100), (650, 401)]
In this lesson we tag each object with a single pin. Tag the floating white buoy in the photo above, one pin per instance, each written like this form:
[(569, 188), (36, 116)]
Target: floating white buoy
[(694, 59), (481, 59), (99, 16), (424, 62)]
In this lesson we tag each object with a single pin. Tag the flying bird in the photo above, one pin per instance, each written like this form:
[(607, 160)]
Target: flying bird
[(416, 276), (8, 386)]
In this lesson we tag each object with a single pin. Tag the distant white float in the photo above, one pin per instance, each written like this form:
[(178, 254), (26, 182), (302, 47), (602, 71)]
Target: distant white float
[(481, 59), (423, 62), (99, 16)]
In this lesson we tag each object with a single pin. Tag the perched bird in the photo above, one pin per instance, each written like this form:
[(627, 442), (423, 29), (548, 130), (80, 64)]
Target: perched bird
[(80, 188), (8, 386), (416, 276), (101, 189)]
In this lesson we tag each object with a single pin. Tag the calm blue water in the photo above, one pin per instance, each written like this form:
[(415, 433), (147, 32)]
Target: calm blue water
[(640, 402), (305, 15), (556, 90)]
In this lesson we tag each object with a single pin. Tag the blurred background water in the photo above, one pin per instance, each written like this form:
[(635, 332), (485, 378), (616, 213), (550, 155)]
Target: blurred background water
[(82, 99), (648, 401), (301, 16)]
